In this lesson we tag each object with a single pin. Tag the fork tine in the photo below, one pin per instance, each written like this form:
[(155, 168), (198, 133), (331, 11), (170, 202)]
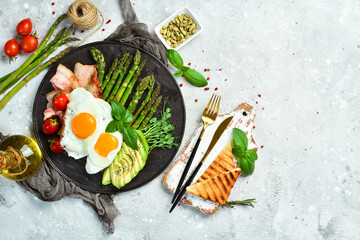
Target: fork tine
[(210, 110), (207, 106), (217, 106), (213, 105)]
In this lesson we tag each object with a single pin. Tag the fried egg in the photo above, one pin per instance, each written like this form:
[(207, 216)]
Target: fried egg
[(103, 152), (83, 123)]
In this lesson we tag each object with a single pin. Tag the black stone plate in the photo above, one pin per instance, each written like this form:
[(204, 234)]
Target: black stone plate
[(158, 159)]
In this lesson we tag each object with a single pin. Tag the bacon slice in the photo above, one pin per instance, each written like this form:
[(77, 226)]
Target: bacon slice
[(87, 76), (64, 79), (51, 112)]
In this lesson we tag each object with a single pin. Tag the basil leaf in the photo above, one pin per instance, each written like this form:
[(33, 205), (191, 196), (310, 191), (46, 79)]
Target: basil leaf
[(178, 73), (238, 153), (116, 110), (247, 166), (111, 127), (130, 137), (251, 155), (127, 116), (120, 126), (194, 77), (174, 58), (240, 141)]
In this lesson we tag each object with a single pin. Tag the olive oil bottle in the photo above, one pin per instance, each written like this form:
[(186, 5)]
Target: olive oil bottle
[(20, 157)]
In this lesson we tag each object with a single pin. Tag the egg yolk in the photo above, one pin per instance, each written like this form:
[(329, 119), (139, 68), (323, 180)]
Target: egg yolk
[(105, 144), (83, 125)]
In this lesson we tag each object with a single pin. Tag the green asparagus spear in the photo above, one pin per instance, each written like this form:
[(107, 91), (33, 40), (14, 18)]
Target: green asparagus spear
[(132, 83), (114, 76), (5, 77), (34, 55), (144, 112), (93, 53), (120, 78), (110, 72), (33, 74), (139, 91), (150, 92), (151, 113), (100, 63), (124, 85), (56, 39)]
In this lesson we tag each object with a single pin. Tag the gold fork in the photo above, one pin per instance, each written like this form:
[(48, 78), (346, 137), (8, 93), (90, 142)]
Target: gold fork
[(209, 116)]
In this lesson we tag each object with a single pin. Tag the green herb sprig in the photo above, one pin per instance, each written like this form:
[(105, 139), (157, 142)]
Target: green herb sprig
[(247, 202), (121, 119), (246, 157), (158, 132), (191, 75)]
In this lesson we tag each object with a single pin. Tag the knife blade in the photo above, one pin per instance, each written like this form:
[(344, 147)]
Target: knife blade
[(219, 131)]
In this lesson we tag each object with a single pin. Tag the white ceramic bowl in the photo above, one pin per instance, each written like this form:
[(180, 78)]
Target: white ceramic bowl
[(184, 10)]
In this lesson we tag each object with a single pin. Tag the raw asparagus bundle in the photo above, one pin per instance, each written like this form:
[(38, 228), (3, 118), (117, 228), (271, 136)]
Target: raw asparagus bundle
[(139, 91), (151, 113), (57, 38), (150, 87), (121, 76), (110, 72), (130, 87), (63, 40), (33, 74), (15, 74), (124, 85), (100, 63)]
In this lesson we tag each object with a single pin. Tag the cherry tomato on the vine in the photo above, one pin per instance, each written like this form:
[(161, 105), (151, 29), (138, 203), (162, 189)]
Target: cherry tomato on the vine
[(24, 27), (29, 44), (11, 48)]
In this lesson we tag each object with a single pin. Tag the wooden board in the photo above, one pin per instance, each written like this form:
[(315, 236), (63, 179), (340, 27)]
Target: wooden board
[(244, 116)]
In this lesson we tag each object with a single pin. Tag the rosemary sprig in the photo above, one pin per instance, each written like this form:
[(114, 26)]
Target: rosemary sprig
[(247, 202)]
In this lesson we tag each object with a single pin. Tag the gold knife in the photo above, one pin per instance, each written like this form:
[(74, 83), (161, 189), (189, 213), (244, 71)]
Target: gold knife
[(219, 131)]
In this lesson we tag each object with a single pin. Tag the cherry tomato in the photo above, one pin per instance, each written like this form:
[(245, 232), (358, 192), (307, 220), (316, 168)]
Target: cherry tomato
[(55, 145), (24, 27), (60, 101), (29, 44), (11, 48), (51, 126)]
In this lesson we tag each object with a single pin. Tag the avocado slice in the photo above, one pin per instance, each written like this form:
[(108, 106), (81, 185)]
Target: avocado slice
[(106, 179), (144, 146), (128, 164), (143, 141), (120, 167)]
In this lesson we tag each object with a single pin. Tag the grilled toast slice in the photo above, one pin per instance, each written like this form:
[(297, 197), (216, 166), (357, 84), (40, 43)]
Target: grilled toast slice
[(224, 162), (216, 189)]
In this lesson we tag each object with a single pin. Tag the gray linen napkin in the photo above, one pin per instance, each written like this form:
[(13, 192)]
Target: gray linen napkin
[(47, 184)]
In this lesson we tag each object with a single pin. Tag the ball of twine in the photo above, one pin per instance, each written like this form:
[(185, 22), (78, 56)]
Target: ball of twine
[(83, 14)]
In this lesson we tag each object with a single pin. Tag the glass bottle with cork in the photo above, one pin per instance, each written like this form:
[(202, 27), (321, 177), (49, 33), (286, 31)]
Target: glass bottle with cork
[(20, 157)]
